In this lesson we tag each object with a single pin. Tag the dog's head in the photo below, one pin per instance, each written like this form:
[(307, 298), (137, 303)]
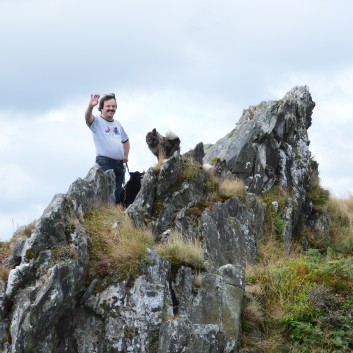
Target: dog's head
[(152, 138), (136, 176)]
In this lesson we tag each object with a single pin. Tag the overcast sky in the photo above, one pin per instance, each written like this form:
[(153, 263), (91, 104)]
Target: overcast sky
[(189, 66)]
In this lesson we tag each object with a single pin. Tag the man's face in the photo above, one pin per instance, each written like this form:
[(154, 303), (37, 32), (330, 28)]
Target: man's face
[(109, 109)]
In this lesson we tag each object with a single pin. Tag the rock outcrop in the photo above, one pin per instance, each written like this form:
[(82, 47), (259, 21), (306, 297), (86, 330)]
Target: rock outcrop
[(270, 147), (47, 304)]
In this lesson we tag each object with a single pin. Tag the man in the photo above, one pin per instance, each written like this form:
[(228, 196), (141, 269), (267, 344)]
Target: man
[(111, 141)]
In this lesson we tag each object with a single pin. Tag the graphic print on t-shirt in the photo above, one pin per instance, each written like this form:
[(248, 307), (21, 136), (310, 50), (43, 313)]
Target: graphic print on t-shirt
[(112, 132), (116, 131)]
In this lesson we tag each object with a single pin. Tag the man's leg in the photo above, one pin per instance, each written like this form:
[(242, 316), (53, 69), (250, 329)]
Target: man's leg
[(119, 171), (119, 180)]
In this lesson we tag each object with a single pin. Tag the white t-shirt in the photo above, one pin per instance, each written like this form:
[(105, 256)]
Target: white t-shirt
[(108, 137)]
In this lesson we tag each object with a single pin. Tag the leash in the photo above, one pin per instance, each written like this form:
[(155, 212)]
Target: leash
[(127, 167)]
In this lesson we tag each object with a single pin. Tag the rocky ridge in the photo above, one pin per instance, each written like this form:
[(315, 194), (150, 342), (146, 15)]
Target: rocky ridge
[(47, 306)]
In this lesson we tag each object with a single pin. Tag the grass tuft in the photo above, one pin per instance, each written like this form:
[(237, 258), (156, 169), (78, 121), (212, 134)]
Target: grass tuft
[(6, 248), (230, 188), (116, 247), (274, 225), (317, 195), (341, 224), (182, 251)]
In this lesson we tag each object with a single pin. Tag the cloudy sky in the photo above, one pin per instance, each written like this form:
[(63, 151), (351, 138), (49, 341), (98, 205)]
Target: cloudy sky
[(189, 66)]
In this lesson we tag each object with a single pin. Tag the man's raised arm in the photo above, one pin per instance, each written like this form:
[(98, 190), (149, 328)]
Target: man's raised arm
[(91, 104)]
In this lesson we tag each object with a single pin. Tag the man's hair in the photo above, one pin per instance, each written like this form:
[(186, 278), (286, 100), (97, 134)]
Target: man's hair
[(106, 97)]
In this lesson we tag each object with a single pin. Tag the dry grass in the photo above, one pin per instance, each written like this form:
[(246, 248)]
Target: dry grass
[(197, 280), (116, 247), (271, 253), (4, 272), (5, 250), (340, 213), (230, 188), (267, 282), (347, 205), (182, 251), (254, 319), (7, 246), (220, 190), (26, 231), (261, 345), (253, 311)]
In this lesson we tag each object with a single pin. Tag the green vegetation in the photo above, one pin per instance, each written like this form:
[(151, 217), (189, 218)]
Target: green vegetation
[(318, 195), (275, 200), (300, 304), (302, 301)]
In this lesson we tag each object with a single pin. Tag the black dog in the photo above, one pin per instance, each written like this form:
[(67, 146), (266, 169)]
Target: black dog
[(162, 147), (131, 189)]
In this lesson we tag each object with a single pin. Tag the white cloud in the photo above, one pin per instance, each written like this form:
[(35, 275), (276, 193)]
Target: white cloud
[(15, 182), (189, 66)]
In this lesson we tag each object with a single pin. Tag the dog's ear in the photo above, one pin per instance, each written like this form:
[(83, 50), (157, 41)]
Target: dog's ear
[(154, 131)]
